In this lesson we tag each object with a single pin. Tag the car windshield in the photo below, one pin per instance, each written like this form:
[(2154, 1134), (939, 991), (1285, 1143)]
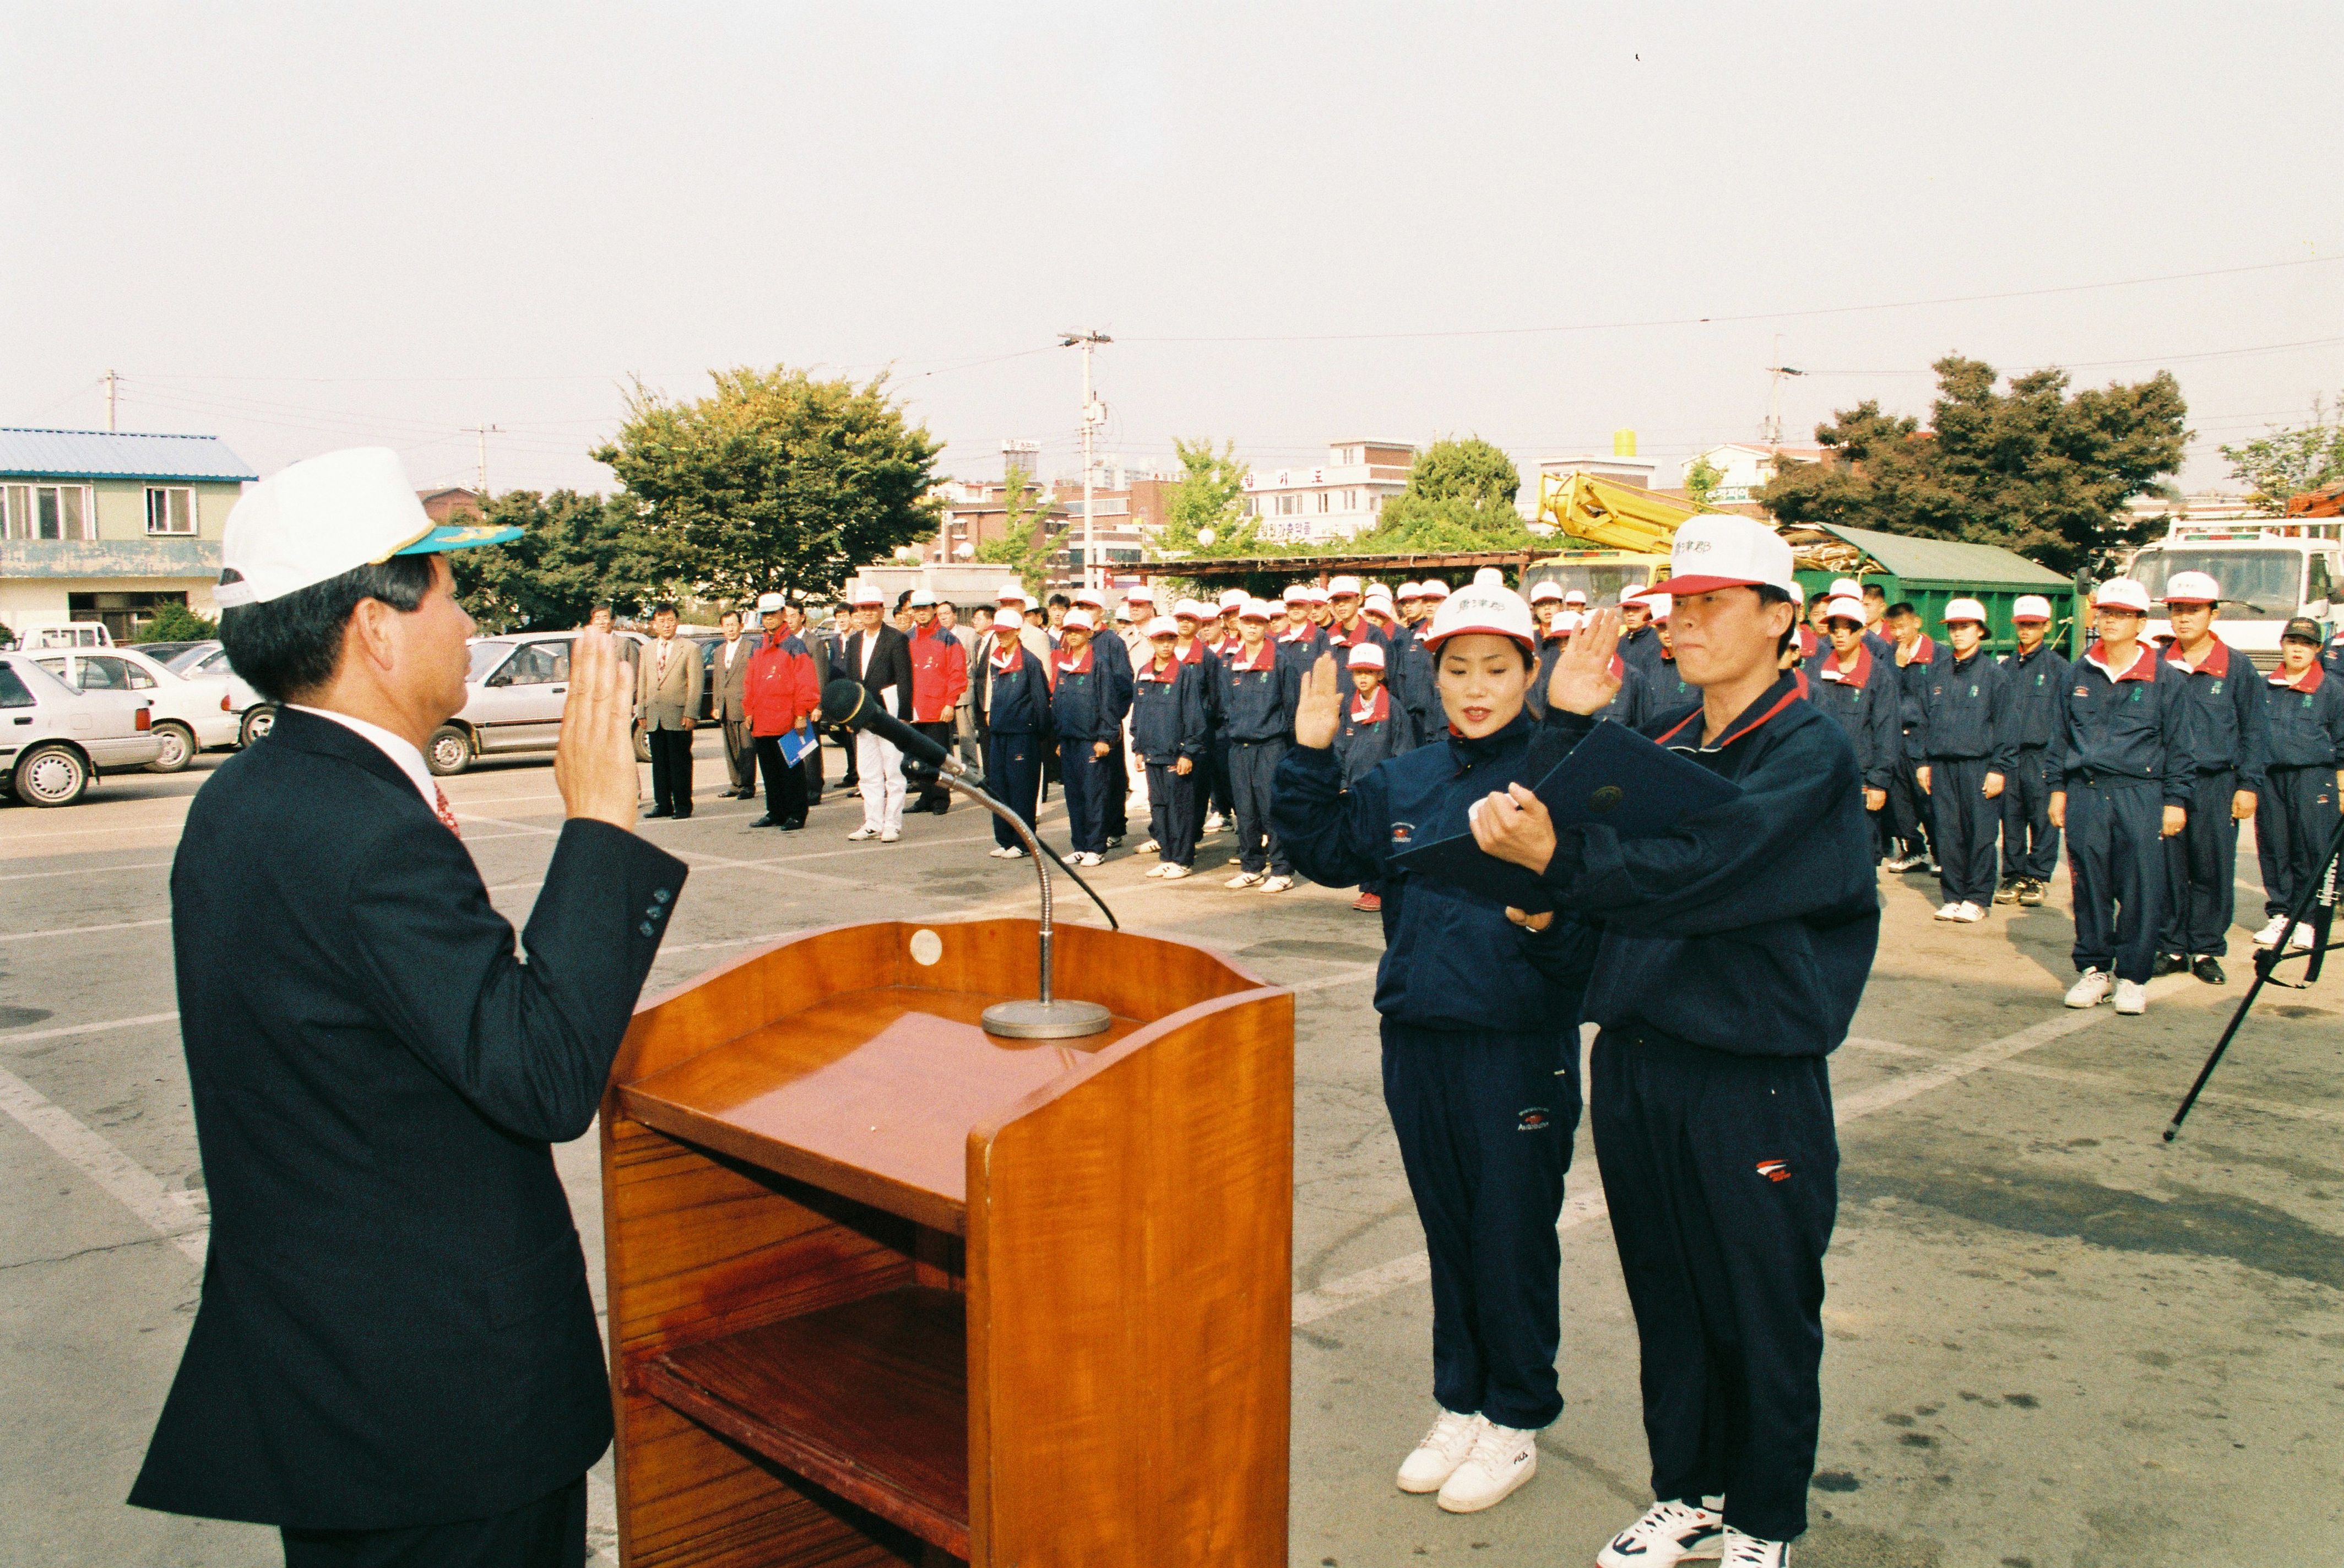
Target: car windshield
[(187, 658), (486, 657), (2253, 582), (1601, 583)]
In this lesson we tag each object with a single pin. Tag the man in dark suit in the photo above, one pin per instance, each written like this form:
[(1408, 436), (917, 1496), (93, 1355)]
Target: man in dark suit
[(395, 1359), (879, 657)]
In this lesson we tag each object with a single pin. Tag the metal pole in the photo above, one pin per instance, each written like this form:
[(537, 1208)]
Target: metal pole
[(1090, 521), (484, 433), (111, 379)]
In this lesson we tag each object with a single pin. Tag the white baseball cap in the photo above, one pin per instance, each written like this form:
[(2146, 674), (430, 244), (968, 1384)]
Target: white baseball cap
[(1192, 610), (1433, 587), (1408, 590), (1576, 598), (1485, 607), (1342, 585), (1968, 609), (863, 593), (1078, 620), (1090, 596), (1722, 550), (1658, 603), (1632, 594), (769, 602), (1011, 594), (1258, 610), (2192, 588), (1314, 594), (1296, 595), (1847, 588), (2031, 607), (1138, 593), (2122, 594), (1844, 607), (1365, 656), (326, 515), (1161, 626), (1548, 591), (922, 598), (1565, 623), (1232, 599)]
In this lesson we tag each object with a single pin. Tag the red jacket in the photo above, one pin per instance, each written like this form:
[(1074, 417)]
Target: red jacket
[(780, 689), (939, 674)]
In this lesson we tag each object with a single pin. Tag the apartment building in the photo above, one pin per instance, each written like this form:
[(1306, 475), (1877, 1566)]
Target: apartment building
[(1339, 498)]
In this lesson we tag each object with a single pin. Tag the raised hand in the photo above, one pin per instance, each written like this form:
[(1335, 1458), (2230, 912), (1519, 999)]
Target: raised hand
[(1319, 711), (1583, 681), (594, 762)]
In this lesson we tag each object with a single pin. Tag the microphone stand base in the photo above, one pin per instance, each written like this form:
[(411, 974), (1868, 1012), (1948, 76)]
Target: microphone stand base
[(1058, 1019)]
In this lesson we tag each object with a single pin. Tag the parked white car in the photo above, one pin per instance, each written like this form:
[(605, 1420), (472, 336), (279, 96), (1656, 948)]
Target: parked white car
[(43, 634), (54, 740), (254, 712), (191, 713), (516, 687)]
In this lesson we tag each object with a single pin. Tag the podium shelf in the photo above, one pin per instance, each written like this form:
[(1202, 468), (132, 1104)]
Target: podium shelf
[(870, 1094), (869, 1401)]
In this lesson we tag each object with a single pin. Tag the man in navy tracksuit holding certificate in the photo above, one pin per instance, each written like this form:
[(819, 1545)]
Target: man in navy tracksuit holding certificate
[(2230, 741), (1734, 950)]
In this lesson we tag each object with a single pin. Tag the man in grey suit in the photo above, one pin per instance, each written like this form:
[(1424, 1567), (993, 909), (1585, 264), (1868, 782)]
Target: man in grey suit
[(728, 673), (667, 706)]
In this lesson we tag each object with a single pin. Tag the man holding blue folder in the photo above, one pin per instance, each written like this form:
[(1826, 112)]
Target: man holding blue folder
[(1735, 947)]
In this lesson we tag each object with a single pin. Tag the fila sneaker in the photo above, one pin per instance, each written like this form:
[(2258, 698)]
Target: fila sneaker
[(1174, 872), (1503, 1457), (1669, 1532), (1442, 1449), (2090, 989), (1147, 847), (1278, 885), (1245, 879), (1748, 1552), (2132, 997)]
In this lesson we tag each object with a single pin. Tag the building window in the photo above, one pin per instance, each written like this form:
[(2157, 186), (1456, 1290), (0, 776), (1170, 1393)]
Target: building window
[(170, 508), (1326, 500), (47, 512)]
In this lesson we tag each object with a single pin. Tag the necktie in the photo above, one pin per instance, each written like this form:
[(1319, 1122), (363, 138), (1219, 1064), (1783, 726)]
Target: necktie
[(446, 818)]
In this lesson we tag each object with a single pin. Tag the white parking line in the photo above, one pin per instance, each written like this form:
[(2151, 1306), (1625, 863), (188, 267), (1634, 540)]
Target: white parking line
[(26, 1037), (90, 871), (84, 930), (178, 1216)]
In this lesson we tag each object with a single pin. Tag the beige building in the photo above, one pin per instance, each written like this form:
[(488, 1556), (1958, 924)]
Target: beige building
[(1339, 498)]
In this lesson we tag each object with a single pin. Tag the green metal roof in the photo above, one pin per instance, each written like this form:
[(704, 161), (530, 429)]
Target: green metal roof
[(1948, 560)]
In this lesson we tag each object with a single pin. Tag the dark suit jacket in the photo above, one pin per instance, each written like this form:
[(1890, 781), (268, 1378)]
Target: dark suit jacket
[(891, 665), (395, 1327)]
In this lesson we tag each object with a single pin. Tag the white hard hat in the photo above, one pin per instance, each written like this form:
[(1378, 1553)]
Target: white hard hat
[(1968, 609), (1339, 586), (1844, 607), (769, 602), (2031, 607), (1547, 592), (1076, 620), (2192, 588), (309, 523), (1161, 626), (1367, 655), (2122, 594), (1484, 607), (1722, 550)]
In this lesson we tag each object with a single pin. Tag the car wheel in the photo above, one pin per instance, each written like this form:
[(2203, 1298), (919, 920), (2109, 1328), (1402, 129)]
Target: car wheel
[(450, 751), (51, 775), (258, 721), (178, 747)]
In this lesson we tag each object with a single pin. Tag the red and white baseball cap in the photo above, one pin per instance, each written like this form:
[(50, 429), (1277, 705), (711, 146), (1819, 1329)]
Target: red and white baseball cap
[(1090, 596), (1296, 595), (1192, 610), (1847, 588), (1258, 610), (1314, 594), (2122, 594), (1339, 586), (1365, 656), (1078, 620), (1433, 587), (864, 595), (2192, 588), (1843, 607), (2031, 607), (1138, 593), (1485, 607), (1162, 626), (1011, 594), (1232, 599), (1722, 550), (1576, 599), (1547, 592), (1960, 610), (1565, 623), (1657, 602), (326, 515), (1407, 591)]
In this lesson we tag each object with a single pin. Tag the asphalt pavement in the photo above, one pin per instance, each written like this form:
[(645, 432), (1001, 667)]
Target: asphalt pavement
[(2052, 1339)]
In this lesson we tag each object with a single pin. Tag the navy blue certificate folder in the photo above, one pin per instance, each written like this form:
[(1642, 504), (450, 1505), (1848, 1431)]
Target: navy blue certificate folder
[(1634, 787)]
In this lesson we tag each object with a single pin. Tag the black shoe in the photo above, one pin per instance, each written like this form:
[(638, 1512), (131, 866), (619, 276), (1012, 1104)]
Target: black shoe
[(683, 816), (793, 825), (659, 811), (764, 821), (2030, 893), (2208, 968), (2169, 963), (750, 793)]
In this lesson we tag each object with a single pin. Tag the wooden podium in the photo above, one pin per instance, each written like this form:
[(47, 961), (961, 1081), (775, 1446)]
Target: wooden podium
[(885, 1288)]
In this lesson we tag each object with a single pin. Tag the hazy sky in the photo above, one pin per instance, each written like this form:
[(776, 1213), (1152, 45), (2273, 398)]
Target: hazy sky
[(308, 226)]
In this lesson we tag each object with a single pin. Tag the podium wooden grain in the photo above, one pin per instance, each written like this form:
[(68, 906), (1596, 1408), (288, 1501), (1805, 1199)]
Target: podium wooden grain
[(884, 1288)]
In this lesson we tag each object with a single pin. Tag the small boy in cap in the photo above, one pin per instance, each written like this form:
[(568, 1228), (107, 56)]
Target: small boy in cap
[(1967, 740), (1374, 728), (1255, 696), (2228, 724), (2296, 815), (2038, 685), (1087, 703), (1168, 733)]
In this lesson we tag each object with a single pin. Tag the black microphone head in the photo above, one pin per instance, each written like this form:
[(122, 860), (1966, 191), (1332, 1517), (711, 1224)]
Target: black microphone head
[(842, 700)]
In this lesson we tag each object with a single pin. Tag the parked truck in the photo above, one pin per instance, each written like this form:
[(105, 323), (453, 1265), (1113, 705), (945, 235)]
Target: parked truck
[(2271, 570)]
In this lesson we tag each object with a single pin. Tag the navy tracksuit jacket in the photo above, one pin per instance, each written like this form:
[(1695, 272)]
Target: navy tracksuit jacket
[(1908, 806), (2124, 754), (1016, 729), (2295, 816), (1410, 676), (1863, 702), (1666, 691), (2229, 721), (1734, 950), (1480, 1056), (1256, 705), (1167, 722), (1642, 647), (2038, 685), (1112, 652), (1966, 734), (1086, 707)]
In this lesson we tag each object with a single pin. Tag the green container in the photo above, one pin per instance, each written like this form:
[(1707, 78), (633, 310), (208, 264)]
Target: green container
[(1930, 574)]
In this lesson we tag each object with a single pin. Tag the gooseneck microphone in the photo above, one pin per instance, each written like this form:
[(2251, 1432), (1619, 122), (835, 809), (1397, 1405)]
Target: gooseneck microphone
[(846, 703)]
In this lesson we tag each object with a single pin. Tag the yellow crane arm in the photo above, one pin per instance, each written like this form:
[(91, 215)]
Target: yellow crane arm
[(1615, 516)]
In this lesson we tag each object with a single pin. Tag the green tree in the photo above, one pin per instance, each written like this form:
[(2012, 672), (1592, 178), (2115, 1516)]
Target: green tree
[(2032, 468), (1209, 494), (2288, 461), (778, 481), (575, 551), (1702, 481), (1025, 542), (176, 624), (1459, 496)]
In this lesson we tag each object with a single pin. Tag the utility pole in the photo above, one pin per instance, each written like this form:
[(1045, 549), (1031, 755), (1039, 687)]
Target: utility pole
[(1093, 416), (111, 379), (484, 433), (1773, 430)]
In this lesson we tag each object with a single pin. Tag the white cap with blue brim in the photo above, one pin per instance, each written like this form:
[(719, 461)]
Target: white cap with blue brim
[(327, 515)]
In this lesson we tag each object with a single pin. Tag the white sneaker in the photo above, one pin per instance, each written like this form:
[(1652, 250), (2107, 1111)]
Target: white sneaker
[(890, 836), (1748, 1552), (2300, 939), (1160, 868), (1174, 872), (2269, 936), (1442, 1449), (2090, 989), (1503, 1457), (1669, 1532), (2132, 997), (1968, 914), (1150, 847), (1951, 911), (862, 835), (1278, 885), (1215, 823), (1244, 879), (1085, 858), (1012, 852)]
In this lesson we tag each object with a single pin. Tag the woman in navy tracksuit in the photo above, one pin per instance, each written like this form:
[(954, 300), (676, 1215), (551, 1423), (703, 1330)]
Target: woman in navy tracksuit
[(2296, 815), (1169, 733), (1015, 704), (1086, 707), (1481, 1040)]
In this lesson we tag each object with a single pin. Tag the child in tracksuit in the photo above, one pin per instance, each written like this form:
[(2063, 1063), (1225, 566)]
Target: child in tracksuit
[(1859, 691), (1257, 707), (2038, 685), (2297, 812), (1087, 708), (1014, 698), (2227, 723), (1666, 691), (1169, 736), (1480, 1039), (1374, 727), (2127, 778), (1966, 740)]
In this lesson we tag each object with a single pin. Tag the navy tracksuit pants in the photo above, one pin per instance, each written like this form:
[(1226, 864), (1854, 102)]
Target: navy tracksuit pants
[(1252, 766), (1013, 776), (2116, 864), (1965, 824), (1908, 807), (2295, 822), (1722, 1176), (1218, 796), (1085, 780), (1117, 786), (2030, 845), (1485, 1124), (2201, 867), (1172, 813)]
